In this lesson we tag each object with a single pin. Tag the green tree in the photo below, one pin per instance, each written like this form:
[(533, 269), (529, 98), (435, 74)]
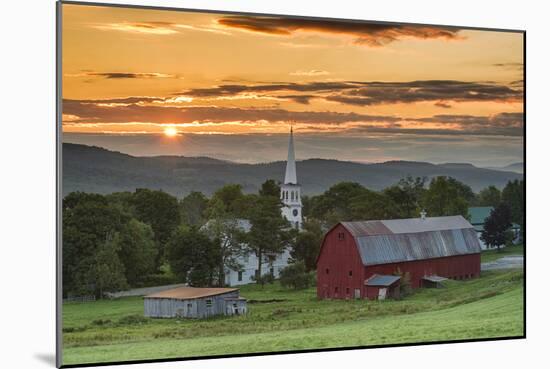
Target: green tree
[(489, 196), (225, 229), (496, 229), (307, 243), (107, 272), (443, 197), (372, 205), (193, 208), (334, 205), (406, 195), (269, 232), (463, 190), (296, 276), (89, 222), (231, 196), (137, 251), (193, 256), (513, 195), (270, 188), (160, 210)]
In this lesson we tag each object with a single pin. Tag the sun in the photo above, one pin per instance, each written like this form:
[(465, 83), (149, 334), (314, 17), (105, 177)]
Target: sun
[(170, 131)]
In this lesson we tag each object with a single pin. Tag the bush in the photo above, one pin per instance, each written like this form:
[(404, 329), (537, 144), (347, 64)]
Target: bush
[(101, 321), (132, 319), (295, 276), (267, 278)]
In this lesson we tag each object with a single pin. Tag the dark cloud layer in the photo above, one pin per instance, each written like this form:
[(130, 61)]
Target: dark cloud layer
[(369, 34), (371, 93), (119, 75), (99, 111)]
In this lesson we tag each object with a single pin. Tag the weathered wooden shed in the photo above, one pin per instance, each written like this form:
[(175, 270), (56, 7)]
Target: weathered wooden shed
[(354, 251), (381, 287), (192, 302)]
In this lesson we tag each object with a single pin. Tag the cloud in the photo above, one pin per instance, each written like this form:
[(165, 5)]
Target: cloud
[(502, 124), (441, 104), (510, 65), (369, 34), (371, 93), (131, 109), (123, 75), (310, 73), (374, 93), (156, 28)]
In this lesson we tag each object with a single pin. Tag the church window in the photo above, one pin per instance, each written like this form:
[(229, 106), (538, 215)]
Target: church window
[(292, 195)]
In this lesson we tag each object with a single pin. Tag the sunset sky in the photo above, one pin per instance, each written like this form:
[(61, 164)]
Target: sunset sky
[(151, 82)]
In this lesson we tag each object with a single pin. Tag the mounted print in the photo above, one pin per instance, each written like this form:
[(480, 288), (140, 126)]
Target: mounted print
[(246, 184)]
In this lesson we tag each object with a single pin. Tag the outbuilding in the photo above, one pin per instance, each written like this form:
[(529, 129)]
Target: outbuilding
[(192, 302), (352, 252), (380, 287)]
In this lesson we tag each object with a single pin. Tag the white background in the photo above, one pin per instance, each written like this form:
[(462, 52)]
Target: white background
[(27, 181)]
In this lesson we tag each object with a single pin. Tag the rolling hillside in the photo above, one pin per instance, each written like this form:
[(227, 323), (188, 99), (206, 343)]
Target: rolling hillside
[(94, 169)]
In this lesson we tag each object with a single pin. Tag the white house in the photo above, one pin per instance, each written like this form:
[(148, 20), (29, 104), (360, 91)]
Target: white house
[(291, 210)]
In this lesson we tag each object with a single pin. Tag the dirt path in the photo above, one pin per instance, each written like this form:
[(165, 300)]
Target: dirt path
[(506, 262)]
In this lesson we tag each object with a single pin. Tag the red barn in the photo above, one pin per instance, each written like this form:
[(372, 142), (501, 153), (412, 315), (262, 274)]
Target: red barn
[(352, 252)]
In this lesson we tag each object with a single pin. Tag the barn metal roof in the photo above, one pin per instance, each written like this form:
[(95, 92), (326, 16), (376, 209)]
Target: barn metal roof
[(411, 225), (399, 240), (188, 293), (382, 280), (394, 248)]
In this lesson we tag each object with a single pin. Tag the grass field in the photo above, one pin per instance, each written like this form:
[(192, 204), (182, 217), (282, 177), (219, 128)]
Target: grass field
[(490, 306), (492, 255)]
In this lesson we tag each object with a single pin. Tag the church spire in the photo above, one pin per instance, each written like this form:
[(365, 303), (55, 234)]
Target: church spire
[(290, 174)]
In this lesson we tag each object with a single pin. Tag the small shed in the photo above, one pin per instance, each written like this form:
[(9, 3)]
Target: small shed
[(433, 281), (380, 287), (192, 302)]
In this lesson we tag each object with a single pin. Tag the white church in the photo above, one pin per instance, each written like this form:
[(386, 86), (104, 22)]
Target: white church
[(291, 210)]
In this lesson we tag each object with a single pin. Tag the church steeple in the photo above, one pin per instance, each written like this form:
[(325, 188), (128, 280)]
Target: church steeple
[(290, 174), (290, 190)]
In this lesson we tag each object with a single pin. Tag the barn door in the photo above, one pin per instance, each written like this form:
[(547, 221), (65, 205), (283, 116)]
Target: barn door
[(357, 293), (382, 293)]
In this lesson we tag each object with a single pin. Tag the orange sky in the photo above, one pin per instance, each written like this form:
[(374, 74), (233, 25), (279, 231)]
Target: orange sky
[(134, 72)]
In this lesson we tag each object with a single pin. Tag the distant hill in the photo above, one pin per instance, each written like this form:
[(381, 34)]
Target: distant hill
[(515, 167), (94, 169)]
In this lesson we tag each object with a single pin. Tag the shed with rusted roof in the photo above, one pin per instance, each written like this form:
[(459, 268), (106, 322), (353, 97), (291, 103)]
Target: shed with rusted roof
[(193, 302), (352, 252)]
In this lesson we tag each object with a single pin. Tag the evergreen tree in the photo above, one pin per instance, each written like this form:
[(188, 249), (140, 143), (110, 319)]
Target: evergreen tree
[(496, 229)]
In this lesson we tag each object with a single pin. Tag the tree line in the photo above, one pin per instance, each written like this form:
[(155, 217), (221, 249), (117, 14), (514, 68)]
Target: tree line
[(148, 237)]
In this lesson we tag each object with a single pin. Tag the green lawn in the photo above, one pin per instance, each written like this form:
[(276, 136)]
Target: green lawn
[(490, 306), (492, 255)]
